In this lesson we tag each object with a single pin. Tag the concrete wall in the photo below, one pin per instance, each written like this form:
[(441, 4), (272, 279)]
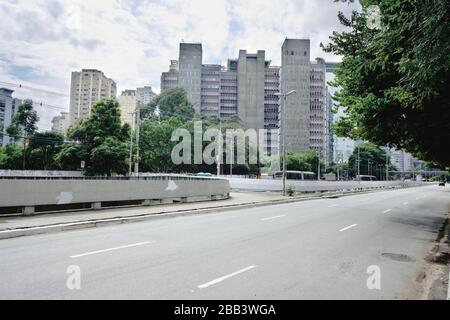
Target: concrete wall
[(309, 186), (34, 192)]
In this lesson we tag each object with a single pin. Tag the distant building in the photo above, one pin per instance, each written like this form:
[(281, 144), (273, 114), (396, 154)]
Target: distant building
[(330, 143), (88, 87), (190, 72), (145, 95), (403, 161), (8, 106), (128, 102), (210, 89), (249, 87), (295, 75), (170, 79), (318, 127), (61, 123)]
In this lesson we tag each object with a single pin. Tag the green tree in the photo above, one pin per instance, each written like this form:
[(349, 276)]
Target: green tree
[(43, 147), (394, 77), (11, 157), (173, 103), (23, 123), (372, 161), (102, 142)]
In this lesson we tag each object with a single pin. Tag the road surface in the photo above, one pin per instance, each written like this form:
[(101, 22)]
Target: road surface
[(318, 249)]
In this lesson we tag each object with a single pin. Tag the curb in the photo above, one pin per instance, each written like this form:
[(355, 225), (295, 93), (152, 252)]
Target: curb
[(29, 231)]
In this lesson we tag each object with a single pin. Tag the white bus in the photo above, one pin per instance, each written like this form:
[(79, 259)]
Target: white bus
[(363, 177), (295, 175)]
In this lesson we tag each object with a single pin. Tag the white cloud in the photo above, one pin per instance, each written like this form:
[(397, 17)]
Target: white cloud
[(132, 41)]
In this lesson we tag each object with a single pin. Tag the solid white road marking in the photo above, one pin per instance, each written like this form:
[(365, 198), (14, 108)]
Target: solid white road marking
[(405, 203), (215, 281), (111, 249), (350, 226), (334, 205), (270, 218), (386, 211)]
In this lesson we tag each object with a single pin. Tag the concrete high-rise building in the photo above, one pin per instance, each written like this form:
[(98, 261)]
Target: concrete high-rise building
[(229, 90), (330, 142), (318, 127), (128, 102), (88, 87), (251, 70), (190, 72), (8, 106), (61, 123), (145, 95), (295, 75), (210, 89), (170, 79), (272, 109)]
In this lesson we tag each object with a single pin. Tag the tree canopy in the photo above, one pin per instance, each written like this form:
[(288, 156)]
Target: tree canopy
[(173, 103), (393, 77), (102, 142)]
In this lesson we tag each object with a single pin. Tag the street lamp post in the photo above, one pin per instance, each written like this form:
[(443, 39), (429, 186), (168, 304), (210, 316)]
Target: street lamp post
[(284, 95)]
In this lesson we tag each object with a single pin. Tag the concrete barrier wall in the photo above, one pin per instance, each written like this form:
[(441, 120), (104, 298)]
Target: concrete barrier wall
[(313, 185), (35, 192)]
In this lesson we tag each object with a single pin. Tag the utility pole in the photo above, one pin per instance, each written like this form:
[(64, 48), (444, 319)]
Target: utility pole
[(387, 168), (358, 161), (219, 155), (284, 95), (138, 122), (318, 166), (131, 145)]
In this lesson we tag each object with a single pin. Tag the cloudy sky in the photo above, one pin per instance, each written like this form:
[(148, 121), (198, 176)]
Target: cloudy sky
[(132, 41)]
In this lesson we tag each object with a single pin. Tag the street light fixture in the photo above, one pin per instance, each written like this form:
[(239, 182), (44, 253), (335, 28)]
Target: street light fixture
[(284, 95)]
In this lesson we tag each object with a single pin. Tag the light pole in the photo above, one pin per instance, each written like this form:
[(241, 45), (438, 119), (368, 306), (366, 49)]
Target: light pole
[(131, 144), (284, 95)]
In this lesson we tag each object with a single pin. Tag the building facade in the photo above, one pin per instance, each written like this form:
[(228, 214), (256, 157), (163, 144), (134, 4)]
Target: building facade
[(249, 87), (88, 87), (190, 72), (145, 95), (128, 101), (61, 123), (318, 130), (8, 106), (295, 75)]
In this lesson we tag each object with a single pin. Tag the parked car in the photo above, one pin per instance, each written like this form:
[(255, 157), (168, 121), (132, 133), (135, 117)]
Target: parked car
[(204, 174), (442, 183)]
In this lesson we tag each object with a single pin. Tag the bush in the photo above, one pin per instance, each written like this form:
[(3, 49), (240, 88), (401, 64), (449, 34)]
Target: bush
[(290, 190)]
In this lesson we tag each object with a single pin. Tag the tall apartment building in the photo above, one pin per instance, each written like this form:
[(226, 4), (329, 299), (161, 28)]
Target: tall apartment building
[(295, 75), (8, 106), (330, 144), (249, 87), (61, 123), (190, 72), (251, 77), (128, 101), (170, 79), (145, 95), (88, 87), (318, 130), (272, 109), (229, 90), (210, 89)]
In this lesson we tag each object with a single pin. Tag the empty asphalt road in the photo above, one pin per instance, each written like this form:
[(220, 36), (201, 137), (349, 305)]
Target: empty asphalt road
[(318, 249)]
